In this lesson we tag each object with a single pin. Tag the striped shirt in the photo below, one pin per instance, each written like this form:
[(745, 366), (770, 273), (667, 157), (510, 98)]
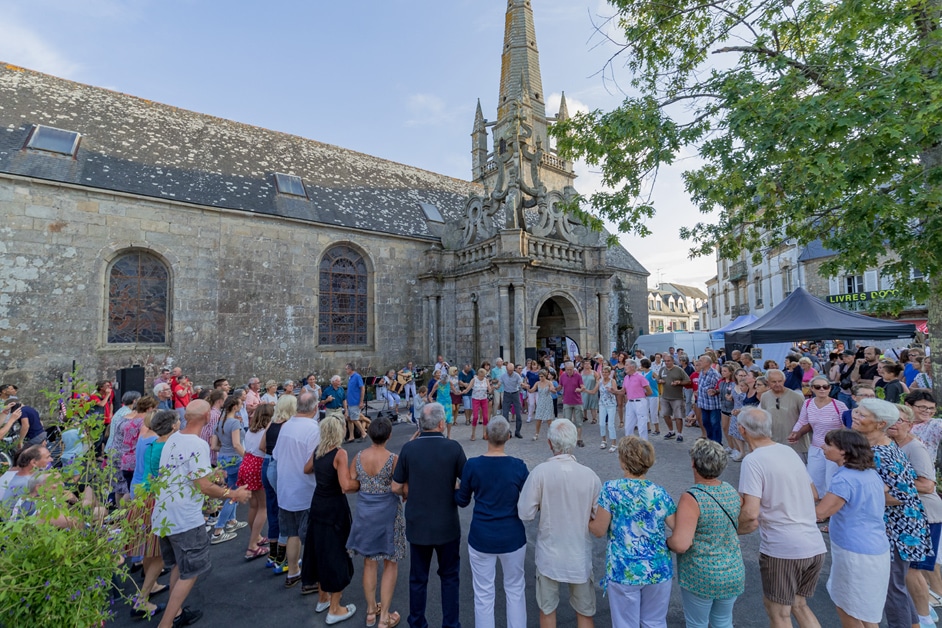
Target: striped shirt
[(821, 420)]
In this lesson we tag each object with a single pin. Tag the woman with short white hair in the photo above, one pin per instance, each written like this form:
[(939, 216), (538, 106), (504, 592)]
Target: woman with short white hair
[(496, 533), (906, 523)]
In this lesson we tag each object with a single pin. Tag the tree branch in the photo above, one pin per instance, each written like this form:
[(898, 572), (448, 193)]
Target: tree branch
[(807, 71)]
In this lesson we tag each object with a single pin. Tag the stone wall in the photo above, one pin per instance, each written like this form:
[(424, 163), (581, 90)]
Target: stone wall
[(243, 288)]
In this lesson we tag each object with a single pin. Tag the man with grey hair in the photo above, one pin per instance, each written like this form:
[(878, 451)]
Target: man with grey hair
[(564, 493), (510, 382), (297, 440), (164, 397), (429, 467), (778, 499), (571, 383), (784, 406), (334, 397)]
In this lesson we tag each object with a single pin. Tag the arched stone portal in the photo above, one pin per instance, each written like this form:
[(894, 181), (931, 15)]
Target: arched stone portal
[(557, 318)]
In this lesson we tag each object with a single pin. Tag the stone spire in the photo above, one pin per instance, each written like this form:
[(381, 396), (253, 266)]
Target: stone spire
[(478, 144), (563, 109), (520, 77)]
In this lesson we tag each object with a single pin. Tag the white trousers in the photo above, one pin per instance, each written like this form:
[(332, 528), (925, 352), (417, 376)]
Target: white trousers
[(644, 606), (636, 416), (484, 573), (392, 399), (608, 421), (652, 409), (531, 405), (820, 469), (409, 391)]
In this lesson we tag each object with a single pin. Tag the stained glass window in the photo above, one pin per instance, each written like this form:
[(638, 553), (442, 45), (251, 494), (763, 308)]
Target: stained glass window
[(138, 290), (342, 300)]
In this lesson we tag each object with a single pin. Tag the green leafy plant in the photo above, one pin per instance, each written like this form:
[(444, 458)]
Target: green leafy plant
[(58, 562)]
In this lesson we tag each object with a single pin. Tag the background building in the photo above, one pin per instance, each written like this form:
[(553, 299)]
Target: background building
[(744, 287), (674, 307)]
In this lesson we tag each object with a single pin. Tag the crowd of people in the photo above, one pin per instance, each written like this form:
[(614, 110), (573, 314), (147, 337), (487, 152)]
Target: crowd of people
[(822, 451)]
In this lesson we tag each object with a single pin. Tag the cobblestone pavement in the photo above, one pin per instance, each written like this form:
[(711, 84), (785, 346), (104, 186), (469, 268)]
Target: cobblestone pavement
[(237, 593)]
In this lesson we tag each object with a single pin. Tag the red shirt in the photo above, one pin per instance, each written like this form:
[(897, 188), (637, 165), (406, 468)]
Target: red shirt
[(108, 407), (181, 396)]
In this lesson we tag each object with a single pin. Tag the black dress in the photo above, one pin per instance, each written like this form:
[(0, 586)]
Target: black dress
[(326, 560)]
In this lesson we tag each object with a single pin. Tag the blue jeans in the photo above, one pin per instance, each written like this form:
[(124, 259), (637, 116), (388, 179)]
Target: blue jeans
[(700, 612), (713, 423), (449, 566), (269, 471), (230, 464)]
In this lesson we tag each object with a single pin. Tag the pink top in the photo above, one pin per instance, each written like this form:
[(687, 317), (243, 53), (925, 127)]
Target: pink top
[(807, 375), (569, 384), (822, 420), (634, 386)]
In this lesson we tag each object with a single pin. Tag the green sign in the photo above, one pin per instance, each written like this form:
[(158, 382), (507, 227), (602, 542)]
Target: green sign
[(857, 297)]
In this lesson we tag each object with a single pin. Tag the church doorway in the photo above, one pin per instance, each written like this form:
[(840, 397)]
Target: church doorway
[(557, 328)]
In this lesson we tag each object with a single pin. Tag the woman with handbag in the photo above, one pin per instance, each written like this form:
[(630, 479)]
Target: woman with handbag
[(705, 538), (819, 415)]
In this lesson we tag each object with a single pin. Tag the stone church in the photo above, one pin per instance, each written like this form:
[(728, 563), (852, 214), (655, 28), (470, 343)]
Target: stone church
[(138, 233)]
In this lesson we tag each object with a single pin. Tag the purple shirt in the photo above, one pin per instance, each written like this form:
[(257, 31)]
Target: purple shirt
[(634, 385), (570, 383)]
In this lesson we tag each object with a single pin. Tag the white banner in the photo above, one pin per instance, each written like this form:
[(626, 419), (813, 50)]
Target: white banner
[(572, 348)]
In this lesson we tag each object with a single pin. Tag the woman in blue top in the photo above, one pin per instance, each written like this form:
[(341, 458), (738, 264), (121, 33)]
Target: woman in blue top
[(441, 392), (903, 514), (635, 513), (860, 550), (495, 480)]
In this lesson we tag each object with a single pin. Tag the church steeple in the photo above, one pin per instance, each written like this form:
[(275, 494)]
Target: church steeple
[(478, 144), (563, 114), (520, 77)]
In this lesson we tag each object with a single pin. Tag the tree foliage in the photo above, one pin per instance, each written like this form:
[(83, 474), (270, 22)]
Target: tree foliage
[(811, 119)]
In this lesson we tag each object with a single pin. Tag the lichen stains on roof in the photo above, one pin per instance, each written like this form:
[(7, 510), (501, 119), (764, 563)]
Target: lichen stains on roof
[(136, 146)]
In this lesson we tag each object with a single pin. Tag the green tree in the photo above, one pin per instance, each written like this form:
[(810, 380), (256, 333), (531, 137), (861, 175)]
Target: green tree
[(812, 119)]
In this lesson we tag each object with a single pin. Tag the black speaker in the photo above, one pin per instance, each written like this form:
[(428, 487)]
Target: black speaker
[(128, 379)]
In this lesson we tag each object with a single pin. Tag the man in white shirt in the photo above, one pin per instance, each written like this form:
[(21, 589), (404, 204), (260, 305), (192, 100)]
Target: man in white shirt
[(297, 440), (778, 499), (564, 493), (178, 511)]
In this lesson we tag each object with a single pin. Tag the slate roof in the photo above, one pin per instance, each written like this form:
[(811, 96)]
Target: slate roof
[(133, 145), (815, 250)]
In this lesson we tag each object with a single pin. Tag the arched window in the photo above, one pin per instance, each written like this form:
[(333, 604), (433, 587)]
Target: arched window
[(343, 300), (138, 296)]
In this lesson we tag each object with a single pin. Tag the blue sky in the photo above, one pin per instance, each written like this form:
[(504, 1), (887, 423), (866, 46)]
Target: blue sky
[(391, 78)]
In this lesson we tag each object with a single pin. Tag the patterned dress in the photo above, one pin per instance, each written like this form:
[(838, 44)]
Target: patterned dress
[(712, 568), (544, 403), (379, 527), (443, 396), (637, 535), (906, 523)]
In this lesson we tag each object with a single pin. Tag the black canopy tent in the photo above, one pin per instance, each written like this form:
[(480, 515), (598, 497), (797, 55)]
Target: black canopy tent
[(802, 316)]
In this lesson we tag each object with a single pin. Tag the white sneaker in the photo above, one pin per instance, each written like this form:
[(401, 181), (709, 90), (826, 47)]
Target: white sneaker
[(735, 456), (613, 449), (603, 445), (934, 598)]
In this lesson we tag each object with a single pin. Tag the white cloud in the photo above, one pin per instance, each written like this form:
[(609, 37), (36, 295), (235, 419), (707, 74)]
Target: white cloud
[(22, 46), (428, 110)]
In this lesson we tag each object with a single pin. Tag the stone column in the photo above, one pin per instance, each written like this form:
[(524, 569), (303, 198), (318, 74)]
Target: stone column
[(604, 326), (432, 328), (520, 339), (503, 334)]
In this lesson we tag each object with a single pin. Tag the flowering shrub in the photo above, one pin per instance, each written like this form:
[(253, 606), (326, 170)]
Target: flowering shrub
[(58, 561)]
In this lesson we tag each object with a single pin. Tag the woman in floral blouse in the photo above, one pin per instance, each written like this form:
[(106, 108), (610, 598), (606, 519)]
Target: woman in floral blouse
[(906, 523), (635, 513), (709, 559)]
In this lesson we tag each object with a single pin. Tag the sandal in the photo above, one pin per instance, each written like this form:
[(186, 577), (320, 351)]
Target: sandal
[(371, 616), (157, 589), (258, 552), (392, 620)]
